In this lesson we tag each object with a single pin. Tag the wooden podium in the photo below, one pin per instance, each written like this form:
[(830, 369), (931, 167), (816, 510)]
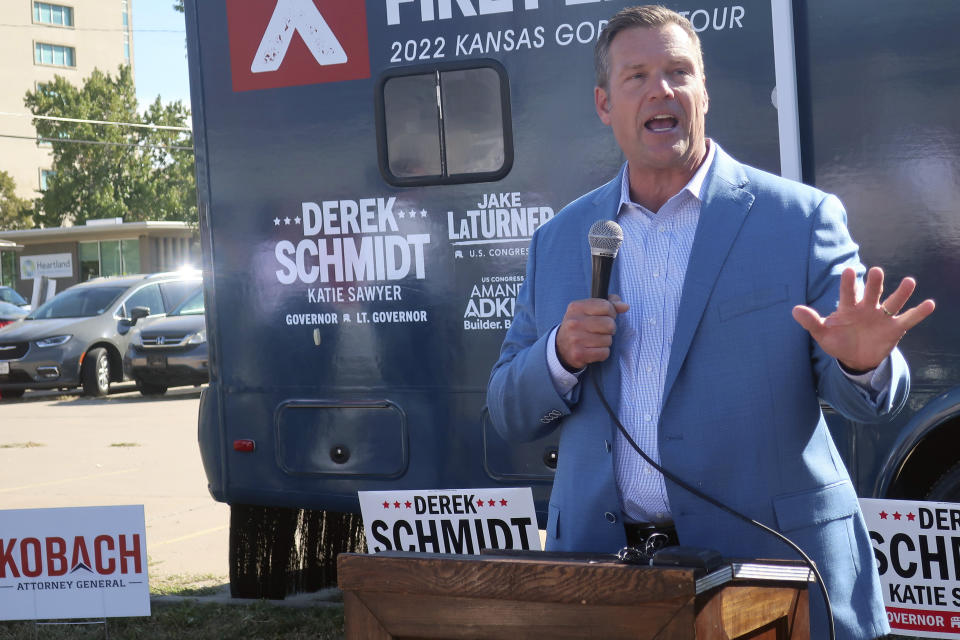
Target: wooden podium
[(408, 595)]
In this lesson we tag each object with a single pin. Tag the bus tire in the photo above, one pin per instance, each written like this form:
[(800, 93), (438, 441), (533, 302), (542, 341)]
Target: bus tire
[(947, 487), (279, 550), (261, 539)]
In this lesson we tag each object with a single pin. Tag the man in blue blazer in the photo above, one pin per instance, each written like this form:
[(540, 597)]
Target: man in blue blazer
[(743, 306)]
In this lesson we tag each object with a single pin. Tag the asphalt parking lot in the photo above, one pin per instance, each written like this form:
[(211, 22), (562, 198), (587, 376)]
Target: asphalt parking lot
[(60, 449)]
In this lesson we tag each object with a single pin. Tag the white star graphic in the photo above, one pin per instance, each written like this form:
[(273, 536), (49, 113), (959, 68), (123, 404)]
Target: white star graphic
[(286, 221), (276, 222), (297, 219), (423, 213), (400, 214), (413, 213)]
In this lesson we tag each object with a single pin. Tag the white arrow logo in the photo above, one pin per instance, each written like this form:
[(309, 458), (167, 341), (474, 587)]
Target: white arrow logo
[(301, 16)]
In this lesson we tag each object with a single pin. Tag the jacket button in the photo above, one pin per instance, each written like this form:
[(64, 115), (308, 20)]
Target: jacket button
[(610, 517)]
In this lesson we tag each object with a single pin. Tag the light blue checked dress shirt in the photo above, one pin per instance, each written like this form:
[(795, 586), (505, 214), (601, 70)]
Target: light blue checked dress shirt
[(652, 264)]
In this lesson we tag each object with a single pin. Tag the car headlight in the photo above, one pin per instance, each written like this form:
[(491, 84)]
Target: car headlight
[(198, 338), (53, 341)]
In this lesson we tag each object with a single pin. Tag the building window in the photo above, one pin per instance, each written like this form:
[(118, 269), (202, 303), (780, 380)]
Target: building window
[(54, 54), (130, 255), (444, 124), (110, 264), (45, 175), (126, 47), (7, 268), (45, 13), (89, 255), (108, 258)]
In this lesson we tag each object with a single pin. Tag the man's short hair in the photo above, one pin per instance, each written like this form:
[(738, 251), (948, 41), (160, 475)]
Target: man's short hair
[(649, 16)]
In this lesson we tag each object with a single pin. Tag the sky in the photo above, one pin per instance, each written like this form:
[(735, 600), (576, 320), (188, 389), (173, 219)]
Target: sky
[(159, 52)]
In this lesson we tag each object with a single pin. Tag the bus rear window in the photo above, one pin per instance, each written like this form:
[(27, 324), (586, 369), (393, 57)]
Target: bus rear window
[(444, 125)]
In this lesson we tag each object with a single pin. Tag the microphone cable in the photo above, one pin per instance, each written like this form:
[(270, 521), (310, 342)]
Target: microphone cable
[(711, 500)]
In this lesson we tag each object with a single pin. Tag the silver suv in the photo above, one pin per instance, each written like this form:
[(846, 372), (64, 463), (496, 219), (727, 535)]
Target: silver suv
[(171, 351), (79, 337)]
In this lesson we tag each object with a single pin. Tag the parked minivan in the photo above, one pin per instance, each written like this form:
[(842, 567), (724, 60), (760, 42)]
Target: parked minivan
[(79, 337)]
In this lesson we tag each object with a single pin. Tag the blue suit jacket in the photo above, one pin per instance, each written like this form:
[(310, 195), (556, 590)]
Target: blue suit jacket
[(741, 418)]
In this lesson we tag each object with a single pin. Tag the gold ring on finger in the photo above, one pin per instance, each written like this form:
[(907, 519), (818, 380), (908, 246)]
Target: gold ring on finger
[(884, 309)]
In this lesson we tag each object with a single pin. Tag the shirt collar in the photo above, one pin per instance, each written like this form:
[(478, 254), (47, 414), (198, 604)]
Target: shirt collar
[(694, 187)]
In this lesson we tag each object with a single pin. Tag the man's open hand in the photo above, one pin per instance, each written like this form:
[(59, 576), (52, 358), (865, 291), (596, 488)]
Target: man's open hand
[(862, 333)]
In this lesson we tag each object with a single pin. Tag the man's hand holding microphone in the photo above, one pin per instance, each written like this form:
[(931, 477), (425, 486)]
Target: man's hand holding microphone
[(588, 326)]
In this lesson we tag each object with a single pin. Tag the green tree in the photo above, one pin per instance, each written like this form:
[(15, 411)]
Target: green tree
[(15, 212), (110, 170)]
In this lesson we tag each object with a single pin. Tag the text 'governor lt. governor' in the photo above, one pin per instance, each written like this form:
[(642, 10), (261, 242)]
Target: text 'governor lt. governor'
[(370, 175)]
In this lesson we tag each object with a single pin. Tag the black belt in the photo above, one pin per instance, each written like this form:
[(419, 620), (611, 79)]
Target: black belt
[(649, 539)]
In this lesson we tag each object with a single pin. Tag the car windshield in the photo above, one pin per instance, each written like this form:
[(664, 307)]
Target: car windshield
[(10, 295), (192, 306), (83, 302)]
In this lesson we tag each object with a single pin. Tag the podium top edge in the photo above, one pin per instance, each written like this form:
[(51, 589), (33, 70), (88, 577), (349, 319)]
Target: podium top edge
[(737, 569)]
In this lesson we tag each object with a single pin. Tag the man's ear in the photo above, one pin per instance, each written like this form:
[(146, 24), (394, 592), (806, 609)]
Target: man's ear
[(601, 100), (706, 97)]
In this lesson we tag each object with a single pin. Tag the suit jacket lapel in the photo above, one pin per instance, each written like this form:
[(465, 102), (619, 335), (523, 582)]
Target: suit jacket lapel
[(726, 202)]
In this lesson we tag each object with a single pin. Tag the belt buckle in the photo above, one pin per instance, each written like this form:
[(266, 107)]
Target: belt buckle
[(654, 542)]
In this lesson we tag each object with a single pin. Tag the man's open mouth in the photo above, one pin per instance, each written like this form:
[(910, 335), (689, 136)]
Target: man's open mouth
[(660, 123)]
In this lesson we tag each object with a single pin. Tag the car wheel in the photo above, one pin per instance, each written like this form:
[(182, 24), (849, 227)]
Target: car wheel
[(150, 389), (95, 374), (11, 394)]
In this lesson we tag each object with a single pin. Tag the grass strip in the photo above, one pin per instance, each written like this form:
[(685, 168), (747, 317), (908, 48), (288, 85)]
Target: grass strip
[(198, 620)]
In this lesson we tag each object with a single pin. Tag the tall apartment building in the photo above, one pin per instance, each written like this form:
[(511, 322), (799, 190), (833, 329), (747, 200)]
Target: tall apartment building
[(39, 40)]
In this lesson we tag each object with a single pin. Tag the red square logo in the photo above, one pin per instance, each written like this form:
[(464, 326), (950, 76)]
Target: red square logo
[(284, 43)]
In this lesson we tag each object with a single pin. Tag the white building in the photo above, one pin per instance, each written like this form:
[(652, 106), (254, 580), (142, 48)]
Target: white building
[(108, 247), (39, 40)]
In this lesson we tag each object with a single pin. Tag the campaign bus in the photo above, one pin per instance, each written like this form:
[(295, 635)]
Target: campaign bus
[(370, 174)]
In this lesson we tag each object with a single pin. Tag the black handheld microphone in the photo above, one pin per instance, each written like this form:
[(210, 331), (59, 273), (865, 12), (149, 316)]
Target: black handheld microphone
[(605, 238)]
